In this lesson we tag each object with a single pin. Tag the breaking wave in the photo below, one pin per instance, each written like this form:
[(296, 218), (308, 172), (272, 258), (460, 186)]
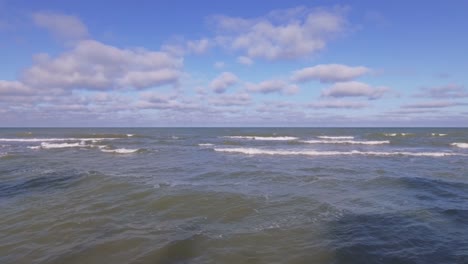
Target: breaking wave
[(285, 138), (46, 145), (52, 139), (257, 151), (120, 150), (346, 142), (460, 145), (336, 137), (397, 134), (205, 144)]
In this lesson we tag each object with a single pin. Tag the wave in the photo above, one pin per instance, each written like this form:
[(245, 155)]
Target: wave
[(34, 147), (346, 142), (257, 151), (438, 135), (104, 135), (120, 150), (285, 138), (460, 145), (336, 137), (46, 145), (51, 139), (205, 144), (397, 134)]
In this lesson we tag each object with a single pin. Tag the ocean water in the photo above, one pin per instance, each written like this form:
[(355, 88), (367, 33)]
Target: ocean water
[(234, 195)]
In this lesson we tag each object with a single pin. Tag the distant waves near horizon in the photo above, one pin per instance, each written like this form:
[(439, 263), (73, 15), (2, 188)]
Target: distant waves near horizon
[(234, 195)]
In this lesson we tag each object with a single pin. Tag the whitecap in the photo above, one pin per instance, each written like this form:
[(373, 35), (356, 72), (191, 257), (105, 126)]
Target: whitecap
[(51, 139), (46, 145), (285, 138), (205, 144), (460, 145), (336, 137), (438, 135), (34, 147), (120, 150), (346, 142), (257, 151), (130, 135)]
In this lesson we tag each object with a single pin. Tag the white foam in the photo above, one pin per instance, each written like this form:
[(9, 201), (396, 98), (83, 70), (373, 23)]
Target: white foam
[(130, 135), (263, 138), (51, 139), (120, 150), (34, 147), (205, 144), (46, 145), (437, 135), (346, 142), (460, 145), (256, 151), (396, 134), (336, 137)]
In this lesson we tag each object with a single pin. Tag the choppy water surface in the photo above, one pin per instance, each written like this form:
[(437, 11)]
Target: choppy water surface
[(234, 195)]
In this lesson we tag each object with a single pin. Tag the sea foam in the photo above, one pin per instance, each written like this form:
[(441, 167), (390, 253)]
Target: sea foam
[(336, 137), (257, 151), (120, 150), (205, 144), (285, 138), (346, 142), (46, 145), (51, 139), (460, 145)]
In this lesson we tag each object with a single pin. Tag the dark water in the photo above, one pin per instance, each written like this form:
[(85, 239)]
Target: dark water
[(234, 195)]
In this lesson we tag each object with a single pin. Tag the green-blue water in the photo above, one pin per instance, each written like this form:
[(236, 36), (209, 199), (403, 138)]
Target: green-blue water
[(234, 195)]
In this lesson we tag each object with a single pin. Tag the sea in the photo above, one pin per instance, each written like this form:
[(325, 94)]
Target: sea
[(234, 195)]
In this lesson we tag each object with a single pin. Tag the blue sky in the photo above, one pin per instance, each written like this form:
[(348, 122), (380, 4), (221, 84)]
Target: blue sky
[(242, 63)]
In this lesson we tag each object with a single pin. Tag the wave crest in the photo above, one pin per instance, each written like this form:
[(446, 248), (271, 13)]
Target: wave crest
[(257, 151)]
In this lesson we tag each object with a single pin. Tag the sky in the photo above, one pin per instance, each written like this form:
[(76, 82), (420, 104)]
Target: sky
[(233, 63)]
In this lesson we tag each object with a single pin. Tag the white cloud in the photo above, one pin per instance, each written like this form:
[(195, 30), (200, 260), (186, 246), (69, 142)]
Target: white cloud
[(446, 91), (62, 26), (219, 65), (221, 83), (433, 104), (339, 104), (354, 89), (329, 73), (14, 88), (238, 99), (282, 34), (272, 86), (245, 60), (95, 66), (198, 46)]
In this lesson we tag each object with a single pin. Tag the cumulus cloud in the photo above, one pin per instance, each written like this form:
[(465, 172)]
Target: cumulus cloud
[(95, 66), (245, 60), (326, 73), (198, 46), (282, 34), (354, 89), (237, 99), (12, 88), (272, 86), (221, 83), (446, 91), (62, 26), (338, 104)]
